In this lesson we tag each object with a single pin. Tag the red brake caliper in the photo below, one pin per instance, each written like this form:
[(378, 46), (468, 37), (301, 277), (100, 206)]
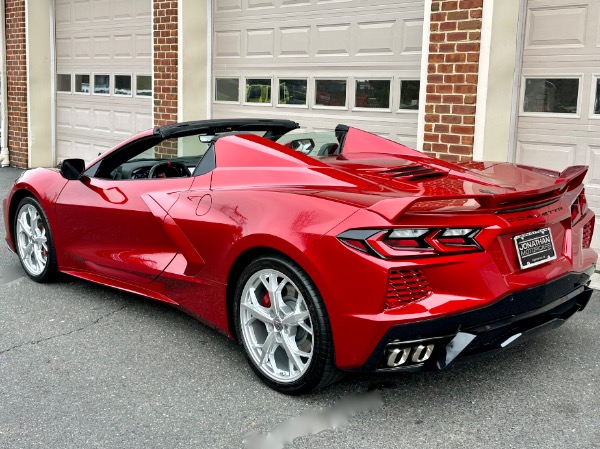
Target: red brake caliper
[(266, 301)]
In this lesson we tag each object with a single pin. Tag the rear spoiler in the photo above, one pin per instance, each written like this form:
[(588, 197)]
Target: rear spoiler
[(567, 180)]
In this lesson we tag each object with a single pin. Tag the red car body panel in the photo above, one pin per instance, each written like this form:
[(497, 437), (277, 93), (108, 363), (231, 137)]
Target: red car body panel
[(176, 240)]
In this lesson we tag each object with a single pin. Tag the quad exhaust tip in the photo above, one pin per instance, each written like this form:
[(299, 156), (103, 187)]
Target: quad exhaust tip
[(397, 357)]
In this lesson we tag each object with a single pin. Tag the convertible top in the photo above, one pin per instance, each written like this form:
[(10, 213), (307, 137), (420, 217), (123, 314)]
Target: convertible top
[(273, 127)]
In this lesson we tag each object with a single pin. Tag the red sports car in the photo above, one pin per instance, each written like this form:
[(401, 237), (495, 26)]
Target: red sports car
[(319, 252)]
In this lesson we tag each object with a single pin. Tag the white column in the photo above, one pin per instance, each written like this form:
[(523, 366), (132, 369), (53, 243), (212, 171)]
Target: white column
[(498, 64), (193, 98), (39, 22), (4, 159), (424, 73)]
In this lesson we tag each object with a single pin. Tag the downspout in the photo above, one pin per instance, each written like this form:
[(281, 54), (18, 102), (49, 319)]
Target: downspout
[(4, 160)]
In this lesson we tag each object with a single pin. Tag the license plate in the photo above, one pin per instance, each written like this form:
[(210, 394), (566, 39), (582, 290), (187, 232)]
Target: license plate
[(535, 248)]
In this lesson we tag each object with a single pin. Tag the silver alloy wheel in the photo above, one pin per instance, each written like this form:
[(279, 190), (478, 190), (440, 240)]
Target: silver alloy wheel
[(276, 326), (32, 242)]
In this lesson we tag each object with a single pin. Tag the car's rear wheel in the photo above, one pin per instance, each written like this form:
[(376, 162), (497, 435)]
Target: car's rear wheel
[(283, 326), (34, 242)]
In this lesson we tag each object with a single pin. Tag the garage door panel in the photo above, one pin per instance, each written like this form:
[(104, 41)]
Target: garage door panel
[(294, 42), (82, 47), (268, 42), (412, 38), (101, 10), (81, 11), (231, 9), (122, 9), (142, 122), (333, 40), (81, 147), (124, 46), (141, 9), (593, 161), (64, 147), (228, 6), (546, 154), (376, 38), (102, 120), (260, 4), (561, 41), (101, 37), (64, 116), (102, 47), (260, 43), (556, 26), (228, 44), (386, 38), (143, 45), (62, 13)]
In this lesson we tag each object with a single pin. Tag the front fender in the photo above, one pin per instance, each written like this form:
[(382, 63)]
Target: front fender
[(45, 186)]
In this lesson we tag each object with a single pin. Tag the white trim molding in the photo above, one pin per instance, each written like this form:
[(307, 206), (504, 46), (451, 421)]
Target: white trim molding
[(4, 156), (483, 80), (424, 73), (497, 66)]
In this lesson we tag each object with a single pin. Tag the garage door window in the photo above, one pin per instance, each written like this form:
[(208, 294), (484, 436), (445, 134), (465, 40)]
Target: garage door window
[(102, 84), (258, 90), (143, 85), (551, 95), (292, 92), (372, 94), (63, 83), (82, 84), (331, 93), (409, 95), (123, 85), (227, 89)]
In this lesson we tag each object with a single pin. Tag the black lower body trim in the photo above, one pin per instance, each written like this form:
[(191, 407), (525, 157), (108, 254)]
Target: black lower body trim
[(489, 329)]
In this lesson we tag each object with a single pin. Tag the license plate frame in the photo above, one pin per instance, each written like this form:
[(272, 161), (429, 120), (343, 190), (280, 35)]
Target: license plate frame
[(535, 248)]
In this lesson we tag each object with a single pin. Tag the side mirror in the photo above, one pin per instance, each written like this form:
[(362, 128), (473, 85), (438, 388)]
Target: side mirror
[(72, 169), (302, 145)]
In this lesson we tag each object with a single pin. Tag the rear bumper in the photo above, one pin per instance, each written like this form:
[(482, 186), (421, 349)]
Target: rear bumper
[(436, 343)]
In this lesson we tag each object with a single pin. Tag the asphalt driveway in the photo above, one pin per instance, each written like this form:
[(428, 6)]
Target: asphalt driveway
[(82, 366)]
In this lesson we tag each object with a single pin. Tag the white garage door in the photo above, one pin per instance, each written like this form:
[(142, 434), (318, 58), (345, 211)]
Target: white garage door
[(320, 62), (104, 66), (559, 122)]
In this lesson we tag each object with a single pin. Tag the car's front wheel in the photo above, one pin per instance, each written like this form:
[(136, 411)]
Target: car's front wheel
[(283, 326), (33, 241)]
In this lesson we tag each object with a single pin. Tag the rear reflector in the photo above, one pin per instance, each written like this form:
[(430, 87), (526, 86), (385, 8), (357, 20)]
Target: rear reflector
[(588, 233), (405, 287)]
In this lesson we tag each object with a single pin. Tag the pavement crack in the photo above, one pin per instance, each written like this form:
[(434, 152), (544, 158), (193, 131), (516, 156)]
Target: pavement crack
[(64, 334)]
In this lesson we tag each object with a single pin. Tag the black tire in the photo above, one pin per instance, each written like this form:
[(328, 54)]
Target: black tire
[(50, 272), (321, 370)]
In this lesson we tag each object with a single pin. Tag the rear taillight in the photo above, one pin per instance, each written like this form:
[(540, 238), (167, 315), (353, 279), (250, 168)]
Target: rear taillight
[(588, 233), (411, 242), (579, 207)]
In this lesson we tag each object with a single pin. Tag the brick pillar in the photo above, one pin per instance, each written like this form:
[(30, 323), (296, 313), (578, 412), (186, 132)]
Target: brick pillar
[(165, 61), (452, 79), (16, 82)]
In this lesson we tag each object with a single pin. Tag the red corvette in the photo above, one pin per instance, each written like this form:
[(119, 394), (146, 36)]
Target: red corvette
[(319, 252)]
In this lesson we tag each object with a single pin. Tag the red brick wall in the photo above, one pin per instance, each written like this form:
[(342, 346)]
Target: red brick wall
[(16, 82), (452, 78), (165, 62)]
